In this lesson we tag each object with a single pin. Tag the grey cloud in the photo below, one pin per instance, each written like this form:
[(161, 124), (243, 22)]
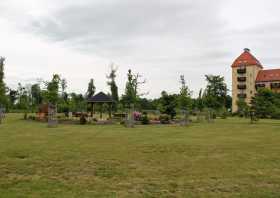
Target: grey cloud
[(122, 27), (186, 36)]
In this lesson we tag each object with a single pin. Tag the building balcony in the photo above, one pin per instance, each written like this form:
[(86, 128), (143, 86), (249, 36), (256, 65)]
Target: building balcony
[(241, 70), (241, 86), (274, 85), (241, 95), (260, 86), (241, 79)]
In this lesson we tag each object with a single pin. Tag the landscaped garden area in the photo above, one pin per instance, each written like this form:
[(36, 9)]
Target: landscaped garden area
[(226, 158)]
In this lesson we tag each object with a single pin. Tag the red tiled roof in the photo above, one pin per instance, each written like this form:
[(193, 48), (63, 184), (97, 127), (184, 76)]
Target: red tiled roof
[(246, 59), (268, 75)]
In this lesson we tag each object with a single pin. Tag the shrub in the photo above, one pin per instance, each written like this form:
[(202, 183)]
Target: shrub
[(164, 119), (83, 119), (144, 119), (276, 113), (224, 115), (137, 116), (31, 117)]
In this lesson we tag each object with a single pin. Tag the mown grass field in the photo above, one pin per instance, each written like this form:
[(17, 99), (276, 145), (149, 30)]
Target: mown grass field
[(228, 158)]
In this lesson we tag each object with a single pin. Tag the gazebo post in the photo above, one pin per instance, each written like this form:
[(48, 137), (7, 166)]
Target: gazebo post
[(101, 110), (110, 110), (91, 113)]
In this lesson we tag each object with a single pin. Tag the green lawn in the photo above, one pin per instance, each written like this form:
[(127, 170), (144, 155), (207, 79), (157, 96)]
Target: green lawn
[(228, 158)]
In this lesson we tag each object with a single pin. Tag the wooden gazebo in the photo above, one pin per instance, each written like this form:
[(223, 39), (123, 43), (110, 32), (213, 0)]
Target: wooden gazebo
[(101, 99)]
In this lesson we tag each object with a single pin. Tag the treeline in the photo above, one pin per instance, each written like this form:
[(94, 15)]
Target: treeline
[(29, 97), (265, 104)]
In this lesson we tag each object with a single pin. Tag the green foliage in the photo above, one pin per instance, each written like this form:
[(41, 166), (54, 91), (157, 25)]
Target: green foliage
[(144, 118), (164, 119), (83, 119), (199, 102), (36, 94), (228, 104), (168, 104), (23, 97), (243, 108), (130, 90), (147, 104), (51, 95), (13, 96), (132, 95), (91, 88), (3, 98), (77, 103), (113, 86), (184, 99), (224, 113), (216, 92), (266, 104)]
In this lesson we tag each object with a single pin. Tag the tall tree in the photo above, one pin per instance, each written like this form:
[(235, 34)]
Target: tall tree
[(91, 88), (64, 94), (132, 88), (3, 98), (216, 92), (36, 94), (63, 85), (13, 96), (184, 98), (112, 83), (23, 99), (113, 86), (199, 101), (168, 104), (266, 104), (52, 92), (130, 94)]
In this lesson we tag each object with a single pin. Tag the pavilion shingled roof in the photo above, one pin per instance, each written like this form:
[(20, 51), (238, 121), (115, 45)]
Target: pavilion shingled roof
[(101, 98)]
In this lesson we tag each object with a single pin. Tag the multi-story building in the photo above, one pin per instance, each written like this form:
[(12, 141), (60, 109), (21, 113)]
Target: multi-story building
[(248, 75)]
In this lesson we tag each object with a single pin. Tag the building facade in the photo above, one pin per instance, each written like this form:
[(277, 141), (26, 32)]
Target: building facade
[(248, 75)]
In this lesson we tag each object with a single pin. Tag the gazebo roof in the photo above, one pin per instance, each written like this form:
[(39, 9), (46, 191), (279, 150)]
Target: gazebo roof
[(100, 98)]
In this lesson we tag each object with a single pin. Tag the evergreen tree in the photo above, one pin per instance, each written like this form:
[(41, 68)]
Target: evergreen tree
[(216, 92), (113, 86), (36, 94), (112, 83), (168, 104), (199, 101), (184, 98), (266, 104), (3, 98), (91, 89), (13, 96)]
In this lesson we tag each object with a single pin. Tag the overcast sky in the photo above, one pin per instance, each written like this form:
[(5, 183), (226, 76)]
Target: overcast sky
[(160, 39)]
